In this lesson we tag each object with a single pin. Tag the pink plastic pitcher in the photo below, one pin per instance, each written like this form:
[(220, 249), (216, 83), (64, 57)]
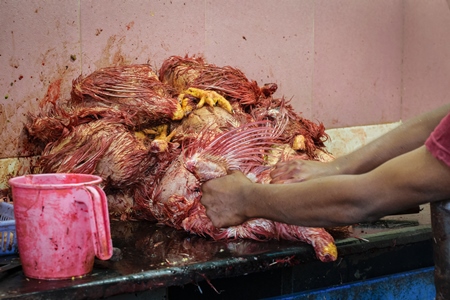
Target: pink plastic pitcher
[(62, 223)]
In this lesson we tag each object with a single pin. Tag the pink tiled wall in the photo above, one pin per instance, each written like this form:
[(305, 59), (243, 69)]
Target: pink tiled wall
[(344, 62), (426, 56), (358, 62)]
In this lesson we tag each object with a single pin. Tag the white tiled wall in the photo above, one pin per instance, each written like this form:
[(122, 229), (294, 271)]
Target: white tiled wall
[(345, 140)]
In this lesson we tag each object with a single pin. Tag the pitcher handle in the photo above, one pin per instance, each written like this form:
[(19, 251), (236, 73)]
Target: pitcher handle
[(99, 218)]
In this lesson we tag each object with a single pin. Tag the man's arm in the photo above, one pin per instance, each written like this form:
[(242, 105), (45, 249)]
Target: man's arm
[(406, 137), (401, 183)]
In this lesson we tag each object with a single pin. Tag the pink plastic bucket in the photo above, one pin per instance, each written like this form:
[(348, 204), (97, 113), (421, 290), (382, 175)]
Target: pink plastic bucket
[(62, 223)]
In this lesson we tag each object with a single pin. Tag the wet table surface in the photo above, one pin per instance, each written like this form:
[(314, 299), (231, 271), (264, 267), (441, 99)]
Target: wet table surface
[(154, 257)]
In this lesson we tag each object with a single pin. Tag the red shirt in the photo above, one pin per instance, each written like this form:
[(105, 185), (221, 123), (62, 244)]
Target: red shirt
[(438, 143)]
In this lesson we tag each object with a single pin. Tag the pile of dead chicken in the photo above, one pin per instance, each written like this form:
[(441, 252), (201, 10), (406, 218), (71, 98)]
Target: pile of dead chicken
[(155, 136)]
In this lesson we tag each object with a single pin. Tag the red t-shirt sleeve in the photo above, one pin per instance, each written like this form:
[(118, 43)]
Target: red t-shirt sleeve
[(438, 143)]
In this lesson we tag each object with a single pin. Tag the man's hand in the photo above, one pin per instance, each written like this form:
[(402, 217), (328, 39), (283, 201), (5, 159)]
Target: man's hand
[(301, 170), (224, 201)]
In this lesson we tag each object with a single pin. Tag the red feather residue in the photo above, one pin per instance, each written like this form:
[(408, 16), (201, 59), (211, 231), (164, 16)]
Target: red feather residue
[(211, 155), (99, 147), (182, 73), (230, 83), (179, 72), (133, 89)]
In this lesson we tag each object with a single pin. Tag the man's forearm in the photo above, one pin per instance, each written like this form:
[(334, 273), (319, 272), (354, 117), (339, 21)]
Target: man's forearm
[(401, 183), (406, 137), (321, 202)]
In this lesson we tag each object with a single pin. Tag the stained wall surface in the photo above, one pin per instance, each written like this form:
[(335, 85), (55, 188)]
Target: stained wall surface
[(344, 63)]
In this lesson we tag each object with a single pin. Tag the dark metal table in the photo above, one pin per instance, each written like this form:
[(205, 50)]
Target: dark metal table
[(162, 263)]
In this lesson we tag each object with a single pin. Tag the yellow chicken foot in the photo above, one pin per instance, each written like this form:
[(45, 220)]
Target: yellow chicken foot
[(329, 252), (160, 132), (209, 97), (179, 113), (161, 141), (140, 135), (187, 104)]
